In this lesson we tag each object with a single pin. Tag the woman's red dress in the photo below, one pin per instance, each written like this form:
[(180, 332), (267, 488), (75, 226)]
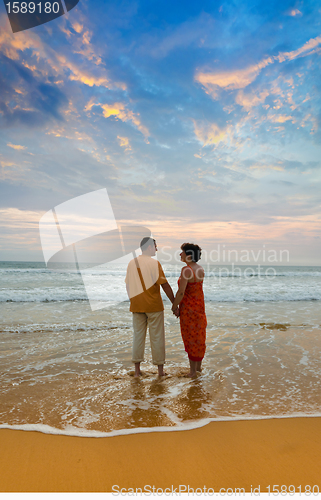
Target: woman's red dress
[(193, 320)]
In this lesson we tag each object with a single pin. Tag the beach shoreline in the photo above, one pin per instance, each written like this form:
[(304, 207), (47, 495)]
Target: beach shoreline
[(245, 454)]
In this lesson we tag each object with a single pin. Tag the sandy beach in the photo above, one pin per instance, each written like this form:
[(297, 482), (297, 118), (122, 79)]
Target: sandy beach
[(239, 454)]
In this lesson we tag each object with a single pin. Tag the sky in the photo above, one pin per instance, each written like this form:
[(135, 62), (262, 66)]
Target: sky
[(201, 119)]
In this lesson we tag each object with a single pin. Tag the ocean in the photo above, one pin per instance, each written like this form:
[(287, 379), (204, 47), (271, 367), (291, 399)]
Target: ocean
[(66, 368)]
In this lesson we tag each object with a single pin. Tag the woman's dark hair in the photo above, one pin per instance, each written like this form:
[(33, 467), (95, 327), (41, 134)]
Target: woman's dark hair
[(193, 250)]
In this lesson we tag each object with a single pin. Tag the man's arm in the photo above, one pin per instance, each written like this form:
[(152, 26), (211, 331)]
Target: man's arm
[(168, 290)]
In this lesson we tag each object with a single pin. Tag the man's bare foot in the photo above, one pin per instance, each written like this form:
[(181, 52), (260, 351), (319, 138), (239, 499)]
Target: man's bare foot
[(161, 372), (138, 373)]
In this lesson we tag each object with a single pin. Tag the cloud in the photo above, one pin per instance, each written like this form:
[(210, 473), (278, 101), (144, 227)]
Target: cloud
[(307, 49), (13, 45), (265, 167), (118, 109), (10, 171), (51, 62), (230, 80), (83, 46), (294, 13), (77, 26), (250, 100), (38, 79), (281, 118), (38, 104), (77, 73), (124, 143), (209, 133), (213, 81), (21, 117), (16, 146)]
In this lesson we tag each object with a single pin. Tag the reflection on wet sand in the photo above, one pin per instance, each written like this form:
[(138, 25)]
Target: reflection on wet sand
[(147, 402), (165, 401), (190, 404)]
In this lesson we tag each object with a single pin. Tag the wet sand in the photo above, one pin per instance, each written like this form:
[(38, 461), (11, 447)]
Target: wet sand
[(238, 454)]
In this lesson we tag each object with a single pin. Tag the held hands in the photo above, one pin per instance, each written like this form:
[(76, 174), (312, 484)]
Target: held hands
[(176, 312)]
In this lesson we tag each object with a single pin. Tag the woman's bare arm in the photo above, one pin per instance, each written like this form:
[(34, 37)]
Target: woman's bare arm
[(186, 274)]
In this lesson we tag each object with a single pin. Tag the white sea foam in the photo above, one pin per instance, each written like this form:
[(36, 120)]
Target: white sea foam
[(70, 430)]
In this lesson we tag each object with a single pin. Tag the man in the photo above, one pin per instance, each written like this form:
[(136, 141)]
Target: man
[(143, 280)]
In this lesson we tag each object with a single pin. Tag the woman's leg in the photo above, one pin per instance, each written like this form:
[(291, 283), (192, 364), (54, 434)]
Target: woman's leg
[(192, 365), (198, 366)]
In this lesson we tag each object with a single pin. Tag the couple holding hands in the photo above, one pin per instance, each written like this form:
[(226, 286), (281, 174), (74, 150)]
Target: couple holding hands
[(143, 280)]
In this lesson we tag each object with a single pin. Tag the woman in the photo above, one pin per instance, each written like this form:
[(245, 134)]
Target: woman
[(190, 299)]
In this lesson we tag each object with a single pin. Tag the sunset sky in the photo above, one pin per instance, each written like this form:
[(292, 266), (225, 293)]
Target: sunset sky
[(202, 120)]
